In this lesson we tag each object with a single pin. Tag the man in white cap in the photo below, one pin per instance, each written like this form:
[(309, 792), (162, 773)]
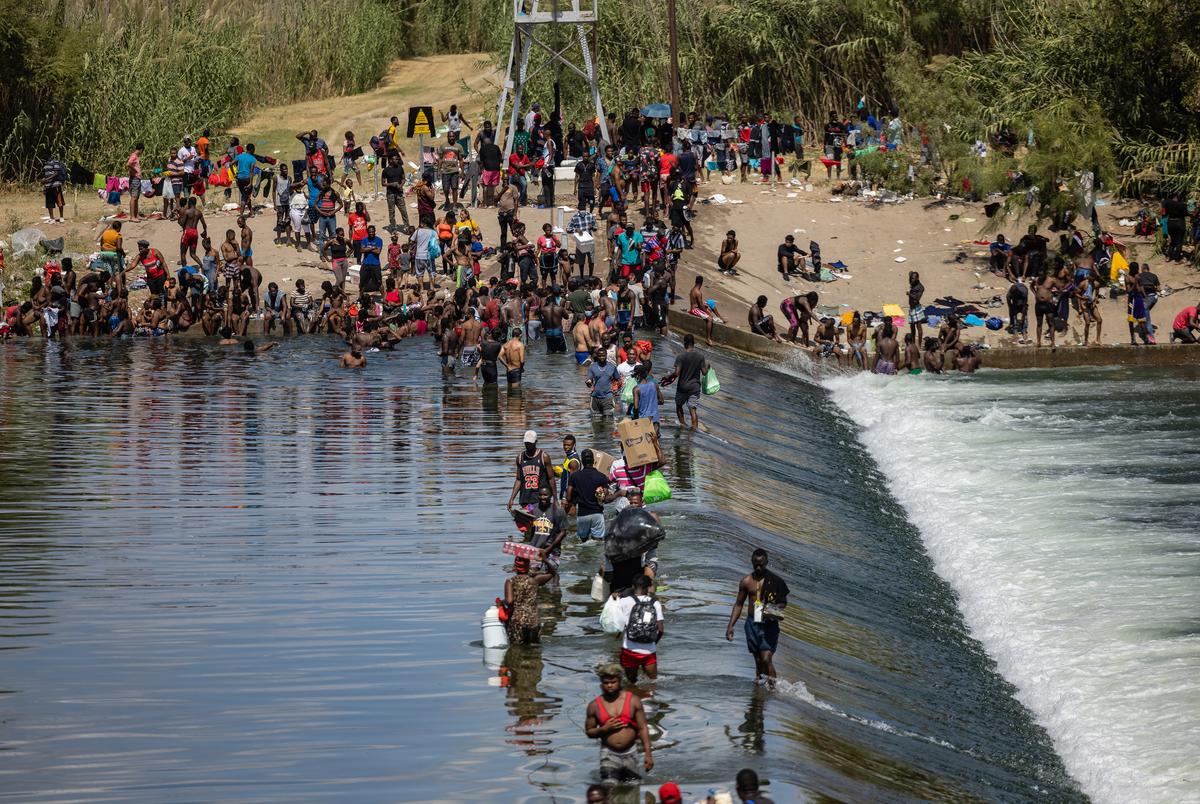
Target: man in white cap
[(534, 473)]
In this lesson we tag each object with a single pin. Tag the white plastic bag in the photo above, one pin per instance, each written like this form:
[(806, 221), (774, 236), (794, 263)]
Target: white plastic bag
[(25, 241), (611, 619)]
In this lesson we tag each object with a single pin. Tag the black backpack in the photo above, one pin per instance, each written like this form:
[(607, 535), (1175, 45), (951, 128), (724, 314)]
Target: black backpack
[(643, 622)]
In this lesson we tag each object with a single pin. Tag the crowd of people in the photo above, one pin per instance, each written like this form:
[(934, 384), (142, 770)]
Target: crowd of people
[(383, 282), (549, 498), (1069, 280)]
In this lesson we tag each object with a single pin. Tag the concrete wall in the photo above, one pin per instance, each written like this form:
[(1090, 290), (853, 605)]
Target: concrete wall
[(748, 343)]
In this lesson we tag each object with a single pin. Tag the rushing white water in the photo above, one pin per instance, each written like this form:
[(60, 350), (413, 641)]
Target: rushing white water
[(1065, 512)]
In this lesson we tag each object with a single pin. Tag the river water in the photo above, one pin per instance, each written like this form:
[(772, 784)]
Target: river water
[(236, 578)]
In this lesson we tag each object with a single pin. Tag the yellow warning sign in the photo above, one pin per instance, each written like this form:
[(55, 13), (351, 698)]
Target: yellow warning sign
[(420, 121)]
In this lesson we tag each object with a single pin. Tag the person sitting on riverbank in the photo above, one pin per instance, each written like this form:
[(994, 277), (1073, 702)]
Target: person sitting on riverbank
[(761, 322)]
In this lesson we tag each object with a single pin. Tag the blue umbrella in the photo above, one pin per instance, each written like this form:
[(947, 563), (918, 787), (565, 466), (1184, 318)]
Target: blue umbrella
[(659, 110)]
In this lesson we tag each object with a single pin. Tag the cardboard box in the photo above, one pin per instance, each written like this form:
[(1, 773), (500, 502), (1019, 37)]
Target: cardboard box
[(604, 462), (638, 440)]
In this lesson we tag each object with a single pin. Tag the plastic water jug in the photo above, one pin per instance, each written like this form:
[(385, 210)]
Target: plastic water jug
[(599, 588), (494, 635)]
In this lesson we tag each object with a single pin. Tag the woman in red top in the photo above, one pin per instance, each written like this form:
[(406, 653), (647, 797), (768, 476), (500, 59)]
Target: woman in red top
[(358, 221)]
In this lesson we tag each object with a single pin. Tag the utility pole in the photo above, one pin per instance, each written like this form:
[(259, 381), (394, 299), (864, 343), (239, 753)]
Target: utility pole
[(676, 101)]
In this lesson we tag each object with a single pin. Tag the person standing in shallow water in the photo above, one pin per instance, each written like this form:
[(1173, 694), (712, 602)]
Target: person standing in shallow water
[(768, 595), (520, 595), (533, 472), (618, 721)]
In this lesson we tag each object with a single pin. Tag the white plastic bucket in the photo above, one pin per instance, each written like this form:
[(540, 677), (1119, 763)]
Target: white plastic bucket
[(494, 635)]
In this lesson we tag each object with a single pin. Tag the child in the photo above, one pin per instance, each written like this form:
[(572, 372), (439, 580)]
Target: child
[(393, 256), (565, 266), (348, 191)]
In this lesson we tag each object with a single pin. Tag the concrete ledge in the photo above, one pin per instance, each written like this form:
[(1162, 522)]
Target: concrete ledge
[(748, 343)]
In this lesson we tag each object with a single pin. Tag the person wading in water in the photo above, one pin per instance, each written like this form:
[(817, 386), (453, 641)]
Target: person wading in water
[(534, 470), (618, 720), (768, 593)]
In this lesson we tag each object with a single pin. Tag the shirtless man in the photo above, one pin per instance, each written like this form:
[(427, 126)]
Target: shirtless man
[(760, 322), (512, 312), (730, 255), (618, 721), (581, 335), (231, 258), (472, 337), (699, 306), (912, 355), (1044, 306), (353, 358), (606, 312), (247, 241), (449, 346), (887, 355), (552, 314), (767, 594), (191, 221), (512, 356), (251, 350), (967, 360), (933, 358), (856, 340), (826, 340), (948, 339)]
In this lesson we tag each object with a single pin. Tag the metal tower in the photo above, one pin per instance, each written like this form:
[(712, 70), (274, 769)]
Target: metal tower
[(532, 20)]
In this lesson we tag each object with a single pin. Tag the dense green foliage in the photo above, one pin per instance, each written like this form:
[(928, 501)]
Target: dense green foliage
[(1106, 85), (87, 80)]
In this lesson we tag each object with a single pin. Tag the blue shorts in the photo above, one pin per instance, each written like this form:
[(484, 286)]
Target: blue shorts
[(582, 357), (762, 636)]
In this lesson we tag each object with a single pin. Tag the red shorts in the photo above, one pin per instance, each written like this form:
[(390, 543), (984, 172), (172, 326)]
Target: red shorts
[(190, 237), (631, 660)]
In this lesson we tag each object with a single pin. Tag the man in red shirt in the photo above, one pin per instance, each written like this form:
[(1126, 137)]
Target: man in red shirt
[(518, 164)]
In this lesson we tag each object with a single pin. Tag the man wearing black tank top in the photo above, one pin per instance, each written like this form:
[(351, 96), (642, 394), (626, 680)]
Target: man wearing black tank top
[(534, 470)]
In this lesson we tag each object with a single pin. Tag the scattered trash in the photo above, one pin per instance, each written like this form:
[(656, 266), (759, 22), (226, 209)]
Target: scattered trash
[(897, 250), (901, 242), (1127, 222), (967, 220), (228, 207), (792, 195), (901, 259)]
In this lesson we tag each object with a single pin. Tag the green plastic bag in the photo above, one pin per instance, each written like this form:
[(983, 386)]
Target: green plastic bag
[(627, 391), (711, 386), (656, 488)]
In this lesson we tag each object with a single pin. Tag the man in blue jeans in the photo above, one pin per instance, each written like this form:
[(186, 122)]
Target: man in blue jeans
[(327, 206), (587, 490)]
